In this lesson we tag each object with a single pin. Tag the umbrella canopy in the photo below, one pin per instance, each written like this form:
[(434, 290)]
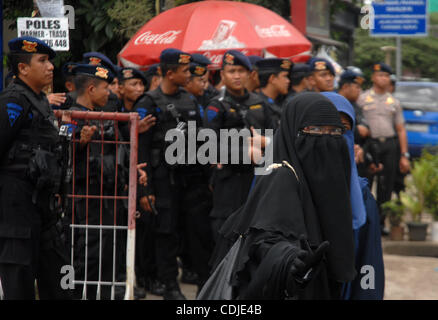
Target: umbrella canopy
[(213, 27)]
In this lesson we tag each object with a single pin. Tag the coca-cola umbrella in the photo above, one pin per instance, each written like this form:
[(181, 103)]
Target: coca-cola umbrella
[(213, 27)]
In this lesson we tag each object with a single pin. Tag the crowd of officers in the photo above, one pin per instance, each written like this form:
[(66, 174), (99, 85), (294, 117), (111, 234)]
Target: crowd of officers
[(182, 206)]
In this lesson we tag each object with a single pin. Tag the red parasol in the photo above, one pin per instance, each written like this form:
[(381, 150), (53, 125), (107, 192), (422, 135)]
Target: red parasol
[(213, 27)]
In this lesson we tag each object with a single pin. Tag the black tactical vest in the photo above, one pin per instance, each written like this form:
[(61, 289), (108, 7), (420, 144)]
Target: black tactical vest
[(43, 132), (247, 113)]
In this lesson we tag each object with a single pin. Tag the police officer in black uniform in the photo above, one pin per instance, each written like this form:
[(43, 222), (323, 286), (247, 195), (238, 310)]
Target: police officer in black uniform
[(91, 83), (209, 90), (274, 81), (97, 58), (299, 80), (132, 84), (234, 108), (177, 188), (31, 171)]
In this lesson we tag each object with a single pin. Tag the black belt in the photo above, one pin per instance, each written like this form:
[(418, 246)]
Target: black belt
[(383, 139)]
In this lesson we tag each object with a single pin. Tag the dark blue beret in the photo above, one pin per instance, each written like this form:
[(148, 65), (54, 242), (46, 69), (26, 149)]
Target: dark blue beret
[(349, 76), (320, 64), (175, 56), (254, 59), (382, 67), (153, 70), (30, 45), (97, 71), (274, 65), (97, 58), (67, 68), (131, 73), (197, 69), (201, 59), (237, 58), (301, 68)]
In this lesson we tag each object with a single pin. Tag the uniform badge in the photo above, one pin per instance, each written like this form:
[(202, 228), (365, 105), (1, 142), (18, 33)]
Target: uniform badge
[(369, 99), (377, 67), (102, 73), (390, 100), (359, 80), (320, 65), (286, 64), (184, 58), (199, 70), (127, 74), (256, 106), (29, 46), (229, 58), (94, 61)]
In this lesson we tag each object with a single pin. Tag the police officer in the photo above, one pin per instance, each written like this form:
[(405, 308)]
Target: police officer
[(236, 108), (385, 119), (209, 90), (97, 58), (91, 83), (153, 77), (322, 75), (274, 81), (177, 188), (30, 176), (299, 80), (132, 84), (253, 82)]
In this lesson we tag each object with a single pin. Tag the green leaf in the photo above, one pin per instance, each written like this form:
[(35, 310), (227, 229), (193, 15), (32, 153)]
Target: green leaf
[(109, 31)]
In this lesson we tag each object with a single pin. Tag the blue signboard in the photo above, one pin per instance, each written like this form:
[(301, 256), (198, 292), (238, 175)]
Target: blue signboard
[(400, 18)]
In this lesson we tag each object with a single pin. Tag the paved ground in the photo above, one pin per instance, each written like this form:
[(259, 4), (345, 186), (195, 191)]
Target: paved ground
[(411, 278), (406, 278)]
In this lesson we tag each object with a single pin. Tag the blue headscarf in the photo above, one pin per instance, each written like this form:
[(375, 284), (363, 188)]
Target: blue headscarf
[(357, 205)]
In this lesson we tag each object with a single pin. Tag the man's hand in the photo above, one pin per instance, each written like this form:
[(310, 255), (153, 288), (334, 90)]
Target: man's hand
[(56, 98), (142, 176), (363, 131), (146, 201), (373, 169), (405, 165), (257, 139), (146, 123), (358, 154), (87, 133)]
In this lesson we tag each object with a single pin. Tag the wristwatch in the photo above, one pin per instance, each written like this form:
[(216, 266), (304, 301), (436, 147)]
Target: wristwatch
[(406, 155)]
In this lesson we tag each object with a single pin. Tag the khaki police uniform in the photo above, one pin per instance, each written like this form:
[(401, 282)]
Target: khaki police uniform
[(382, 113)]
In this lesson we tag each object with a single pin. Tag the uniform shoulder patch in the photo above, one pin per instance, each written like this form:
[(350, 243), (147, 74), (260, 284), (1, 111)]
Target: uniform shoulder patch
[(14, 110), (212, 112), (142, 112)]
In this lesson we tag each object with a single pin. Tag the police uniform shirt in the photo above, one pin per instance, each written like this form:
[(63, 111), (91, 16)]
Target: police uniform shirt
[(274, 108), (382, 113), (15, 114)]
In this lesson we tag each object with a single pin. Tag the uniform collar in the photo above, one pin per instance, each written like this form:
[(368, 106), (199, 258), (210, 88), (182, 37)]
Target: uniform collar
[(238, 99), (20, 82)]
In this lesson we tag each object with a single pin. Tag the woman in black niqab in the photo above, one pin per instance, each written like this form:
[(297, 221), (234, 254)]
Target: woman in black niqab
[(306, 194)]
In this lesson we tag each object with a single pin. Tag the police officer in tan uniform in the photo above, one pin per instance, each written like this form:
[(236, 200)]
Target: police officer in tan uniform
[(385, 119)]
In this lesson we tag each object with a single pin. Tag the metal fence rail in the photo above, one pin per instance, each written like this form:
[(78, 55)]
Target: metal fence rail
[(86, 230)]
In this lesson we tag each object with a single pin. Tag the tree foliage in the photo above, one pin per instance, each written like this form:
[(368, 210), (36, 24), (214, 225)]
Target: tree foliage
[(418, 54)]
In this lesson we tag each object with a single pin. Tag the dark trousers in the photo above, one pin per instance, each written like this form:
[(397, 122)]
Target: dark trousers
[(29, 248), (93, 248), (389, 157), (230, 191), (145, 257), (182, 202)]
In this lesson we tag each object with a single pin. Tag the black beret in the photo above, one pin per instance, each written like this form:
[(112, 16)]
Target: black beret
[(175, 56), (30, 45), (234, 57)]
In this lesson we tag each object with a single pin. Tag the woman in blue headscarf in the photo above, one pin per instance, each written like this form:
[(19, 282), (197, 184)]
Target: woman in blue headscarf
[(370, 281)]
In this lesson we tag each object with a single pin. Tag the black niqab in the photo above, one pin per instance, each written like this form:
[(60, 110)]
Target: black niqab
[(313, 200)]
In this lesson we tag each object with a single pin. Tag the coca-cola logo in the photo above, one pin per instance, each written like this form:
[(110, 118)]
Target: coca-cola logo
[(274, 31), (158, 38)]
